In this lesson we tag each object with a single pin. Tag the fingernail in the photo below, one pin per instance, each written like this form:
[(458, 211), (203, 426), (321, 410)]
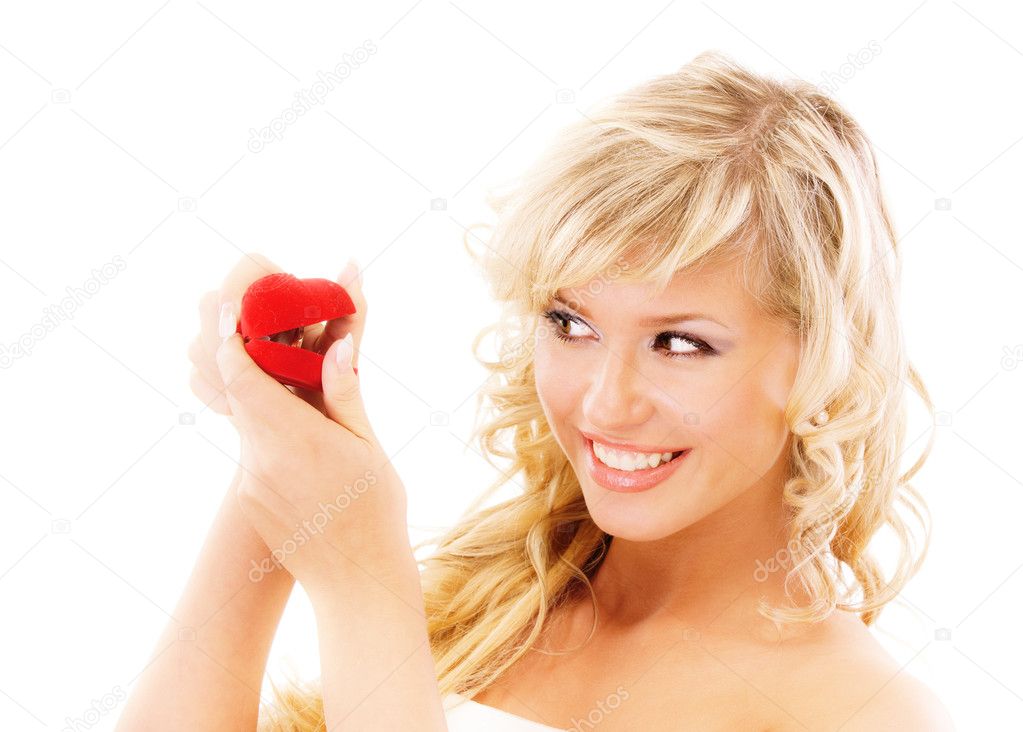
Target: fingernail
[(350, 273), (343, 352), (228, 324)]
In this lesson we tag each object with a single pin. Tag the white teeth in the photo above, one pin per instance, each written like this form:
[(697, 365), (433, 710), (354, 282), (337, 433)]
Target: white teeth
[(623, 460)]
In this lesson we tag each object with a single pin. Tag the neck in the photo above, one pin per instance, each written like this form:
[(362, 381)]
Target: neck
[(712, 572)]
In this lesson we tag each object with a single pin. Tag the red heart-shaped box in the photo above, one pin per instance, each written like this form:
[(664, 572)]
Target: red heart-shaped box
[(278, 303)]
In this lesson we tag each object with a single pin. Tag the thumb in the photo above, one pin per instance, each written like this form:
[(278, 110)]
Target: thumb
[(342, 396)]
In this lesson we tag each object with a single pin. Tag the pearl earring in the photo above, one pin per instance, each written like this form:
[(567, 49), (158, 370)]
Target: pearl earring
[(821, 418)]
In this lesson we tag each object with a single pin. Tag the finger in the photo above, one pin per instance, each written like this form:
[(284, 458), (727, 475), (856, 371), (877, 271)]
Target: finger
[(249, 268), (311, 337), (205, 362), (338, 328), (266, 408), (207, 394), (207, 341), (210, 375), (342, 396), (196, 350), (205, 378)]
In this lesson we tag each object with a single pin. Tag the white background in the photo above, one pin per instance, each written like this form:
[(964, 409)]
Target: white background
[(124, 131)]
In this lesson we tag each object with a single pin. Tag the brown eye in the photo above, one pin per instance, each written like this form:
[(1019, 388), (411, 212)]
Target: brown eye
[(561, 319), (672, 338)]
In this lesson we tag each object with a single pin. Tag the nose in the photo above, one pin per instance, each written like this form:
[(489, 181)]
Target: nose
[(616, 399)]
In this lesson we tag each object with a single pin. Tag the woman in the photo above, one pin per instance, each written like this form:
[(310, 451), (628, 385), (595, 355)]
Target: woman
[(702, 376)]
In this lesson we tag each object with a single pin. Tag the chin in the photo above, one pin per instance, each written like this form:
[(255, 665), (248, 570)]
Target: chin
[(630, 517)]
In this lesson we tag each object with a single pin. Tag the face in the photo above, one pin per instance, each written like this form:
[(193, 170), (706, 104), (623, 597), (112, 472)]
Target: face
[(713, 384)]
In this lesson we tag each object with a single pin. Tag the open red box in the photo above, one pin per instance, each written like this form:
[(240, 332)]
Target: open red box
[(275, 311)]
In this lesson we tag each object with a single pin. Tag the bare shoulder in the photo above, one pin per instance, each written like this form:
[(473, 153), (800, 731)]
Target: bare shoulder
[(902, 702), (847, 680)]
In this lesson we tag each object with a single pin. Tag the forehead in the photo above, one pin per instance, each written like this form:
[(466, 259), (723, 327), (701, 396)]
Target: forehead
[(713, 288)]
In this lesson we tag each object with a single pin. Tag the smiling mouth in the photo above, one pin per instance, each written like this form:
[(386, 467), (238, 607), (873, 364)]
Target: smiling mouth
[(632, 477), (631, 464)]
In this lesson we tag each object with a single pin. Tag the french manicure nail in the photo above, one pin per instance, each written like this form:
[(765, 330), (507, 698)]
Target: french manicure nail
[(343, 352), (228, 324), (351, 272)]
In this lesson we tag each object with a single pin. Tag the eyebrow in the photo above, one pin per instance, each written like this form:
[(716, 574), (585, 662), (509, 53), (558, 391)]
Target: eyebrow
[(657, 321)]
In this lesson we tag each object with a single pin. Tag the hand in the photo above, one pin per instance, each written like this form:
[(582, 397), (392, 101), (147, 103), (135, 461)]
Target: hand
[(316, 485)]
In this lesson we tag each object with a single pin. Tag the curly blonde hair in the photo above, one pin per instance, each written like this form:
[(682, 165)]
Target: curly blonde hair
[(707, 163)]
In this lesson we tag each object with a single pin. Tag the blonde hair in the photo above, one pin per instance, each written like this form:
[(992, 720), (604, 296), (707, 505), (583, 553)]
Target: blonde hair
[(710, 162)]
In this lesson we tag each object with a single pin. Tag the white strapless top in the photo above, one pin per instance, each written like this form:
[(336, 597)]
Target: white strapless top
[(465, 715)]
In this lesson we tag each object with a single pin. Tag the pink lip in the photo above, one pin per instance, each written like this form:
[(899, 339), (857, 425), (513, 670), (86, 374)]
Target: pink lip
[(625, 481)]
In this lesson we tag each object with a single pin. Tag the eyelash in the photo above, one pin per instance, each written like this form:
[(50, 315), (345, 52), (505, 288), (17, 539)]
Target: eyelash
[(553, 315)]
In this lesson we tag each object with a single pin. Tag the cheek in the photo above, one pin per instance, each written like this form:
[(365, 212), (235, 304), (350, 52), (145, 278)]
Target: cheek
[(559, 394), (746, 428)]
